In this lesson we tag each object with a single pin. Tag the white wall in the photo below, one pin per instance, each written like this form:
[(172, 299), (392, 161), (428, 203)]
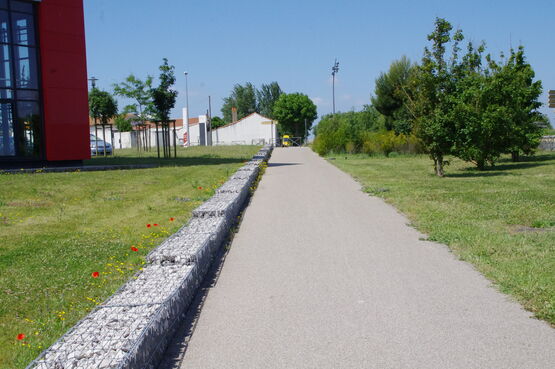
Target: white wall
[(247, 131)]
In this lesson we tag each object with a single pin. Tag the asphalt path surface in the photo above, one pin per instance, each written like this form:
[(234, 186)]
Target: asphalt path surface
[(321, 275)]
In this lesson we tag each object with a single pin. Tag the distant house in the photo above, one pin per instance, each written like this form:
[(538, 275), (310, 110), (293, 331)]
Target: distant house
[(254, 129)]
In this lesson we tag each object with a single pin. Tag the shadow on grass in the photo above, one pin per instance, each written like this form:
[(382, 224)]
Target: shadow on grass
[(172, 162), (506, 166)]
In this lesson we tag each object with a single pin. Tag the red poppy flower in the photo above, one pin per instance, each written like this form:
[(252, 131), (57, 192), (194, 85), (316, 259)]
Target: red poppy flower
[(20, 336), (148, 225), (199, 187), (95, 274), (156, 225), (172, 219), (133, 248)]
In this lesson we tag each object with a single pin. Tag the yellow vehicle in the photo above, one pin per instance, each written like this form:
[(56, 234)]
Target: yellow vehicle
[(286, 141)]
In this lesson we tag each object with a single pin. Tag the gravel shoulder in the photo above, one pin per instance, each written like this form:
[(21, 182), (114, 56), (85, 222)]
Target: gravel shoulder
[(321, 275)]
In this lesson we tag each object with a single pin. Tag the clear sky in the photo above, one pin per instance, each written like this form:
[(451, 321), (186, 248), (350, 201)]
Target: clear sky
[(294, 42)]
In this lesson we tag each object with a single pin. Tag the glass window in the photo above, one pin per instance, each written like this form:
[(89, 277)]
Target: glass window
[(5, 93), (25, 60), (4, 30), (7, 147), (21, 6), (5, 70), (28, 123), (27, 95), (3, 4), (23, 29)]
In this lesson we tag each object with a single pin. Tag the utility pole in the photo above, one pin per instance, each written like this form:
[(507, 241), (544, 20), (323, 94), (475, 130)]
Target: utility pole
[(334, 71), (210, 120), (187, 106), (93, 81)]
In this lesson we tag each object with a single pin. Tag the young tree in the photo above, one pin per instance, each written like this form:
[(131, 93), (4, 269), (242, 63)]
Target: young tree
[(266, 97), (391, 96), (140, 92), (433, 86), (294, 111), (102, 106), (122, 123), (243, 98), (163, 99)]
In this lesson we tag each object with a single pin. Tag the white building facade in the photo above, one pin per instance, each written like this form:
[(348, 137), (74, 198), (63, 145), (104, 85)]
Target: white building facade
[(254, 129)]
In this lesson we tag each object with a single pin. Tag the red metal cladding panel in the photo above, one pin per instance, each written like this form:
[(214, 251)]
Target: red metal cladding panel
[(64, 79)]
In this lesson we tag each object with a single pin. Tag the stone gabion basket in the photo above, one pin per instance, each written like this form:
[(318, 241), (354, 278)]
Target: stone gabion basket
[(133, 327)]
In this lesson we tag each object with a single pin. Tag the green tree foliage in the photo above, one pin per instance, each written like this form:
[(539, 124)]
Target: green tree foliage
[(391, 95), (243, 98), (140, 92), (266, 97), (217, 122), (344, 132), (102, 105), (433, 86), (293, 111), (122, 123), (474, 107), (163, 96)]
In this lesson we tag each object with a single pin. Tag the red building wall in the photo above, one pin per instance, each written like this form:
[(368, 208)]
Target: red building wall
[(64, 79)]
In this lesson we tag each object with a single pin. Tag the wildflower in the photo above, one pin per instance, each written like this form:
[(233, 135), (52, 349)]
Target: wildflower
[(20, 337), (200, 187), (148, 225), (95, 274), (133, 248), (172, 219), (156, 225)]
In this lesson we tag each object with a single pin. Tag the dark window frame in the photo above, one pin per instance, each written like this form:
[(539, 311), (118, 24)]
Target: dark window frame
[(19, 131)]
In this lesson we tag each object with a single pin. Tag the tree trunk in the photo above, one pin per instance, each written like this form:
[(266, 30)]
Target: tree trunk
[(481, 164), (438, 165), (515, 156)]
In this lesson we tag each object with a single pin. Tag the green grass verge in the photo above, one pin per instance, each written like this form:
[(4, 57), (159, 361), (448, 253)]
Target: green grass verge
[(500, 220), (56, 229)]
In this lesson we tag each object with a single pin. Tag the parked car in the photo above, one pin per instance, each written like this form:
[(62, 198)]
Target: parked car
[(98, 146)]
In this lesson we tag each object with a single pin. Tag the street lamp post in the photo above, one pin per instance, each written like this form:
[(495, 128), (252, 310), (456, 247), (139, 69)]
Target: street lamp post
[(187, 107), (334, 71)]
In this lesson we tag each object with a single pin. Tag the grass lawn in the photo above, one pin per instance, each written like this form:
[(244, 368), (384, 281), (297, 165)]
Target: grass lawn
[(500, 220), (57, 229)]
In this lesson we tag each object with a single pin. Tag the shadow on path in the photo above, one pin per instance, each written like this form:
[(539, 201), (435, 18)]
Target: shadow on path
[(175, 353)]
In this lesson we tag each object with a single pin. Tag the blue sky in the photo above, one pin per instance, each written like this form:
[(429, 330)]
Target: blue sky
[(221, 42)]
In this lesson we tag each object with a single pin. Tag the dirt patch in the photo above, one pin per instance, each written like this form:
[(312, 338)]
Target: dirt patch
[(525, 229)]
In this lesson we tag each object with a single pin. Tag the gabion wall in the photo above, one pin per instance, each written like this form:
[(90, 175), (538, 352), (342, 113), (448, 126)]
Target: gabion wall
[(132, 329)]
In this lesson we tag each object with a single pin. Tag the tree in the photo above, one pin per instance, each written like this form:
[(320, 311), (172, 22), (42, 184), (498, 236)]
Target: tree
[(391, 96), (519, 93), (163, 99), (102, 106), (122, 123), (139, 91), (243, 98), (496, 108), (294, 112), (433, 85), (217, 122), (266, 97)]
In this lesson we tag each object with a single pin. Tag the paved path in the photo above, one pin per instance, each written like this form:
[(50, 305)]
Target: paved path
[(322, 275)]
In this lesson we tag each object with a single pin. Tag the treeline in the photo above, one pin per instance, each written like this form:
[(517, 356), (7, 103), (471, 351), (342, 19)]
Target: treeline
[(295, 112), (465, 104)]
